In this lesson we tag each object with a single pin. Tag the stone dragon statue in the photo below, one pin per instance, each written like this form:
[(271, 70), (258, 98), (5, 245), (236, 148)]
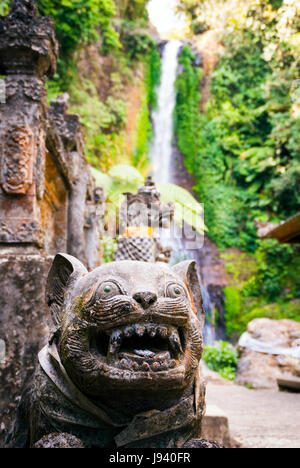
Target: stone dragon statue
[(121, 369)]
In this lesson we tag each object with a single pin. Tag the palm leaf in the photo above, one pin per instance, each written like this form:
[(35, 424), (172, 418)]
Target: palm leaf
[(102, 180), (188, 209), (120, 179), (126, 173)]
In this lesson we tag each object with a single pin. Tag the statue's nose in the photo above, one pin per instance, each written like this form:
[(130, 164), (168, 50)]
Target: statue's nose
[(145, 298)]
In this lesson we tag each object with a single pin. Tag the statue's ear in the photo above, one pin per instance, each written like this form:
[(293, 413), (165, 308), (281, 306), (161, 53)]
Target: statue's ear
[(65, 270), (188, 273)]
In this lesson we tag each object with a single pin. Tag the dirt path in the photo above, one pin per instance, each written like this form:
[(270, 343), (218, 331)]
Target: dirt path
[(259, 418)]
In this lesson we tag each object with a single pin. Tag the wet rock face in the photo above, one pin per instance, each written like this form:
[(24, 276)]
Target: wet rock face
[(217, 299), (261, 370), (126, 344)]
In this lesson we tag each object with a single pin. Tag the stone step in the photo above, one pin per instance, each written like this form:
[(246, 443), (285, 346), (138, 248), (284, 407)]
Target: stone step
[(215, 426), (291, 383)]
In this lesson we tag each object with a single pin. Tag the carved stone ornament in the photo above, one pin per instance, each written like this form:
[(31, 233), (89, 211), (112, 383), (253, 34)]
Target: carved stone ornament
[(23, 8), (27, 41), (17, 160), (30, 88), (21, 230)]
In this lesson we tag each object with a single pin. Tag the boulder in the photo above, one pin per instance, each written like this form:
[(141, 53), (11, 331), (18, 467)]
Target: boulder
[(269, 352)]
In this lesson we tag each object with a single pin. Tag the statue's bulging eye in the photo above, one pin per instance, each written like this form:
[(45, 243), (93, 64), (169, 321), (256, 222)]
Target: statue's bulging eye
[(174, 290), (108, 289)]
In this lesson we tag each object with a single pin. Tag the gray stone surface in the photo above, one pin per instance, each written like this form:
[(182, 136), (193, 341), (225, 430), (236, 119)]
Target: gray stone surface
[(23, 325), (259, 418)]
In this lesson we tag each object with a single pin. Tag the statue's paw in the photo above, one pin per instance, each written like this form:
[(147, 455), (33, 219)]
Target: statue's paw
[(57, 440)]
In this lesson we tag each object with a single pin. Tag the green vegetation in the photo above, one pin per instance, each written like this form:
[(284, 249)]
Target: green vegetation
[(187, 116), (109, 247), (265, 284), (80, 22), (103, 119), (144, 133), (192, 10), (222, 358), (109, 23), (105, 49), (244, 150), (4, 7)]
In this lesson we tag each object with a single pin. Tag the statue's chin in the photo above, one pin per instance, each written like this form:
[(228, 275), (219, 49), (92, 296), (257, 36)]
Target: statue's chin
[(134, 394)]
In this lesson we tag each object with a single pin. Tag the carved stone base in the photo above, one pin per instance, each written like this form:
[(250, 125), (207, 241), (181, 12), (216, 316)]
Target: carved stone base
[(21, 231)]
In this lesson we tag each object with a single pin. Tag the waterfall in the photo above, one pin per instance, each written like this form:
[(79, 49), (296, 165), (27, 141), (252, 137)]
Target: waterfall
[(161, 151), (161, 156)]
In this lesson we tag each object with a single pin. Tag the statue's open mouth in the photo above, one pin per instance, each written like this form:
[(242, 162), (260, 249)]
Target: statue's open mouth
[(141, 347)]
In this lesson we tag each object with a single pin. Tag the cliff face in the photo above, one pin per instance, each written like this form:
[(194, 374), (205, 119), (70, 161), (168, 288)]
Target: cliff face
[(109, 96), (106, 51)]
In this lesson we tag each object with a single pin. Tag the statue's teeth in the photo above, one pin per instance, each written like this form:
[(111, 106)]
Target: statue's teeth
[(163, 332), (175, 341), (146, 366), (144, 353), (129, 331), (140, 330), (151, 330), (124, 363), (115, 343), (156, 366)]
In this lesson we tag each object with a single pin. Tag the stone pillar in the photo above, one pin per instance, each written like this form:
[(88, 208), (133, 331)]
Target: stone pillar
[(48, 199), (28, 54), (86, 202)]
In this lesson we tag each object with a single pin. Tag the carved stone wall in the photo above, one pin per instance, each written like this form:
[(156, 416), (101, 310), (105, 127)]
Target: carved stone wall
[(48, 199)]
